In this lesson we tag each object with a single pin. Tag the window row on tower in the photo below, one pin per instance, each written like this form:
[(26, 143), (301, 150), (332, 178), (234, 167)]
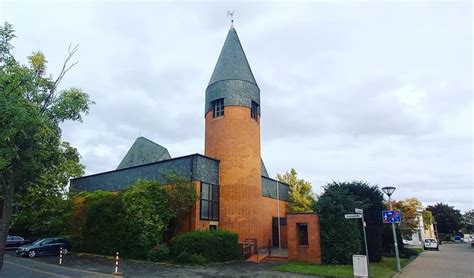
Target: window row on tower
[(218, 108)]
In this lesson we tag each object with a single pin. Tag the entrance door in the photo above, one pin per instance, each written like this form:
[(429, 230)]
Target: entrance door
[(275, 229)]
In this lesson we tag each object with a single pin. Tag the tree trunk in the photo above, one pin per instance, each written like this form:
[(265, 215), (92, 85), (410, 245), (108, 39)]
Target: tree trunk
[(8, 191)]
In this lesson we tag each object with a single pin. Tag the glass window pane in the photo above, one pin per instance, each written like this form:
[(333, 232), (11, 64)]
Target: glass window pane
[(204, 209), (205, 191), (215, 193), (215, 211)]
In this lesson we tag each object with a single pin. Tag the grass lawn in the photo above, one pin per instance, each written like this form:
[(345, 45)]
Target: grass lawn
[(385, 268)]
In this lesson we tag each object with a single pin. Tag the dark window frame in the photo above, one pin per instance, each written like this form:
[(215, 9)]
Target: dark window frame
[(217, 107), (303, 237), (211, 203), (254, 110)]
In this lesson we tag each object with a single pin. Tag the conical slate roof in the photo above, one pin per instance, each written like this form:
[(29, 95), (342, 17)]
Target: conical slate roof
[(232, 79), (232, 63), (144, 151)]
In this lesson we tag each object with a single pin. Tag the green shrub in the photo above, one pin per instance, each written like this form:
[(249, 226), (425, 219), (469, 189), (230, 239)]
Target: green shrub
[(340, 237), (104, 231), (158, 253), (409, 252), (198, 259), (213, 246)]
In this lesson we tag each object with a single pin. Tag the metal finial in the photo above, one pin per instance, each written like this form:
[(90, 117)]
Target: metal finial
[(231, 14)]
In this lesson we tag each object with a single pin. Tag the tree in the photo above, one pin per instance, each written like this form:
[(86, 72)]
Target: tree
[(148, 213), (428, 219), (31, 109), (371, 201), (301, 195), (340, 237), (182, 195), (411, 209), (448, 219), (468, 221), (45, 208)]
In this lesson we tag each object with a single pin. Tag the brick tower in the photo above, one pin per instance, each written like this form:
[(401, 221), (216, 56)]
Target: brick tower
[(232, 116)]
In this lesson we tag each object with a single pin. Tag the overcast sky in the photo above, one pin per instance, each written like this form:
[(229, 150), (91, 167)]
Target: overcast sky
[(373, 91)]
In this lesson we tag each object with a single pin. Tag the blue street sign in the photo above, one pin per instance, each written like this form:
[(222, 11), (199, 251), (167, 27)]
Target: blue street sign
[(391, 216)]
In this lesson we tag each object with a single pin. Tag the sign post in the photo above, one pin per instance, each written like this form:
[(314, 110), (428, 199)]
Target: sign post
[(360, 214), (393, 216)]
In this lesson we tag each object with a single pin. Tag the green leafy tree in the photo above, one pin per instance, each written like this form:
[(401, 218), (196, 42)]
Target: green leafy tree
[(148, 214), (428, 219), (411, 209), (371, 201), (45, 207), (31, 109), (340, 237), (182, 195), (468, 221), (301, 195), (448, 219)]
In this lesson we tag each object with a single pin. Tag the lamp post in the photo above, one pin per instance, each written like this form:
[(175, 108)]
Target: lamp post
[(389, 191)]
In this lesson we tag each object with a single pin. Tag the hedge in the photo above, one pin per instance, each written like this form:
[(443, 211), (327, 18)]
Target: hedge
[(205, 246)]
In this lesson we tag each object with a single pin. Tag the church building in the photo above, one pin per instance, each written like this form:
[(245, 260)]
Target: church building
[(235, 190)]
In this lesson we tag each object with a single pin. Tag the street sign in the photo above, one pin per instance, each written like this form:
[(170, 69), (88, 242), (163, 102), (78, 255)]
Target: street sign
[(352, 216), (359, 211), (391, 216)]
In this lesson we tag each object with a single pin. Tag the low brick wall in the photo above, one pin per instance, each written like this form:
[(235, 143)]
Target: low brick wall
[(310, 252)]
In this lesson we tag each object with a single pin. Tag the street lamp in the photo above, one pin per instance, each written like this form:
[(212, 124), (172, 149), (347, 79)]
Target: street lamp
[(389, 191)]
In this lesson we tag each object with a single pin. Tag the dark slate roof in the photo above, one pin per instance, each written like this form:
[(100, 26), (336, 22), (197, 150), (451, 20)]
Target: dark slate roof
[(144, 151), (194, 167), (264, 169), (232, 62)]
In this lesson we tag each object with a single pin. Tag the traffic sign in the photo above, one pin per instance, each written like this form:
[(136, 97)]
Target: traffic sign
[(359, 211), (352, 215), (391, 216)]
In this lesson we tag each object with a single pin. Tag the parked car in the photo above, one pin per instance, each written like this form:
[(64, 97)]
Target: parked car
[(45, 246), (431, 243), (15, 242)]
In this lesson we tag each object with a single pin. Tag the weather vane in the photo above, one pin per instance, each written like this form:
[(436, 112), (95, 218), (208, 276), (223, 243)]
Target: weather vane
[(231, 14)]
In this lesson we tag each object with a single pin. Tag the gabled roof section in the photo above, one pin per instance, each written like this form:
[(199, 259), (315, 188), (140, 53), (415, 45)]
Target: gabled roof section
[(232, 63), (144, 151)]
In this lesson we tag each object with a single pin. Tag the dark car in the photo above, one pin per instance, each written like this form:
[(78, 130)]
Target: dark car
[(15, 242), (45, 246)]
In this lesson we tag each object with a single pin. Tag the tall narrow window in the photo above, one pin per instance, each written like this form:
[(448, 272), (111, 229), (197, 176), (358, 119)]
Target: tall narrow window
[(218, 107), (254, 111), (302, 233), (209, 201)]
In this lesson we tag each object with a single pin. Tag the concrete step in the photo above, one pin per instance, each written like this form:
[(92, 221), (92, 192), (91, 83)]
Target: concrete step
[(257, 258)]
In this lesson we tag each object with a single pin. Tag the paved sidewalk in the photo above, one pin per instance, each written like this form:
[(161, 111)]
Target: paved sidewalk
[(452, 260)]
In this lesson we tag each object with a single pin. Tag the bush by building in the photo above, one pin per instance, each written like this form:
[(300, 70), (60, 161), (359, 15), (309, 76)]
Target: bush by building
[(204, 246), (340, 237)]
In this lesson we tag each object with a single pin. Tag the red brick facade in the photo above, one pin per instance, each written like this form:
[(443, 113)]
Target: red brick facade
[(306, 253), (234, 139)]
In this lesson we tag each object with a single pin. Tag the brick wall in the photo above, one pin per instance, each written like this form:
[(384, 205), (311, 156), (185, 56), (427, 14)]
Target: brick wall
[(234, 139), (305, 253)]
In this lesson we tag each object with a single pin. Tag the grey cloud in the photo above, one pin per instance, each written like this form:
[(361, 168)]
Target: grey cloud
[(375, 91)]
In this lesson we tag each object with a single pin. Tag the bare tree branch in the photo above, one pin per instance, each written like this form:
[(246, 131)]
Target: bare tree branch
[(66, 67)]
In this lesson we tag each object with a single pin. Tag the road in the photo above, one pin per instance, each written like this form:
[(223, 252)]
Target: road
[(77, 265), (26, 268), (452, 260)]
